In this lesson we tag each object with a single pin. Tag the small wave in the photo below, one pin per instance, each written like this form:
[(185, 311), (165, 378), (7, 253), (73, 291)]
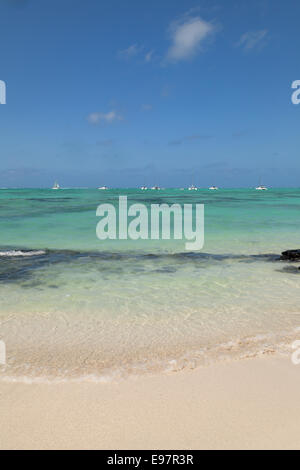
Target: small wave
[(19, 253), (243, 348)]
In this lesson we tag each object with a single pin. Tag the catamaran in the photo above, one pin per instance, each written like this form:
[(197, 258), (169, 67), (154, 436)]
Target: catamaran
[(261, 187), (56, 185), (144, 188), (193, 188)]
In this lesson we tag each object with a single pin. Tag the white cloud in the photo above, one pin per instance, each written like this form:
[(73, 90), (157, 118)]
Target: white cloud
[(187, 37), (136, 51), (148, 56), (110, 117), (253, 39), (131, 51)]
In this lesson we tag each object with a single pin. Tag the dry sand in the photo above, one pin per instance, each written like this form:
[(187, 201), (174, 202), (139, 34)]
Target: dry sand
[(241, 405)]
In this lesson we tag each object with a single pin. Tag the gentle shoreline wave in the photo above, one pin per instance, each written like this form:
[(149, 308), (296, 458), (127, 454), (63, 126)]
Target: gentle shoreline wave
[(260, 345)]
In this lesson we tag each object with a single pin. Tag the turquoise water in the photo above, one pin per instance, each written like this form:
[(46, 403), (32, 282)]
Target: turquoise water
[(73, 306)]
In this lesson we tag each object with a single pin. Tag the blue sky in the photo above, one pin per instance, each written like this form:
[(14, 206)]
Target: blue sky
[(164, 92)]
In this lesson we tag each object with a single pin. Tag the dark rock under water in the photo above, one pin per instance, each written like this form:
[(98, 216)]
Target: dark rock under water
[(290, 255)]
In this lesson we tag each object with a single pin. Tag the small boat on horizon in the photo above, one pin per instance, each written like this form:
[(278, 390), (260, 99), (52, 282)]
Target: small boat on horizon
[(213, 188), (260, 186), (56, 185), (193, 188), (155, 188), (144, 188), (103, 188)]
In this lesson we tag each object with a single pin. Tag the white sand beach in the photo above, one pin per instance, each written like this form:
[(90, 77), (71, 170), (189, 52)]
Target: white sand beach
[(248, 404)]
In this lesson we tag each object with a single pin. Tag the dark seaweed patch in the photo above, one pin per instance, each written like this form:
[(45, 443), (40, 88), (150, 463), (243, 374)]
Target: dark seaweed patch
[(289, 270), (16, 268)]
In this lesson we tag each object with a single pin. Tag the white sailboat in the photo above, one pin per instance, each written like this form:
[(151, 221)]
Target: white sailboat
[(261, 187), (144, 188), (156, 188), (193, 188), (103, 188), (56, 185), (213, 188)]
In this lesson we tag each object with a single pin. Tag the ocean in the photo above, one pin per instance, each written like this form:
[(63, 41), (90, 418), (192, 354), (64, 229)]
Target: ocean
[(73, 307)]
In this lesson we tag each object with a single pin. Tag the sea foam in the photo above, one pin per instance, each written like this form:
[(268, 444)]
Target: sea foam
[(19, 253)]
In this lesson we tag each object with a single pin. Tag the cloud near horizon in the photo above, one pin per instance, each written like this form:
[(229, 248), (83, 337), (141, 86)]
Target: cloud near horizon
[(109, 118), (187, 37), (190, 138), (105, 142), (253, 39)]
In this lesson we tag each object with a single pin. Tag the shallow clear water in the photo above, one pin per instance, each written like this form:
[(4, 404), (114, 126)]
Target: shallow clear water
[(72, 306)]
